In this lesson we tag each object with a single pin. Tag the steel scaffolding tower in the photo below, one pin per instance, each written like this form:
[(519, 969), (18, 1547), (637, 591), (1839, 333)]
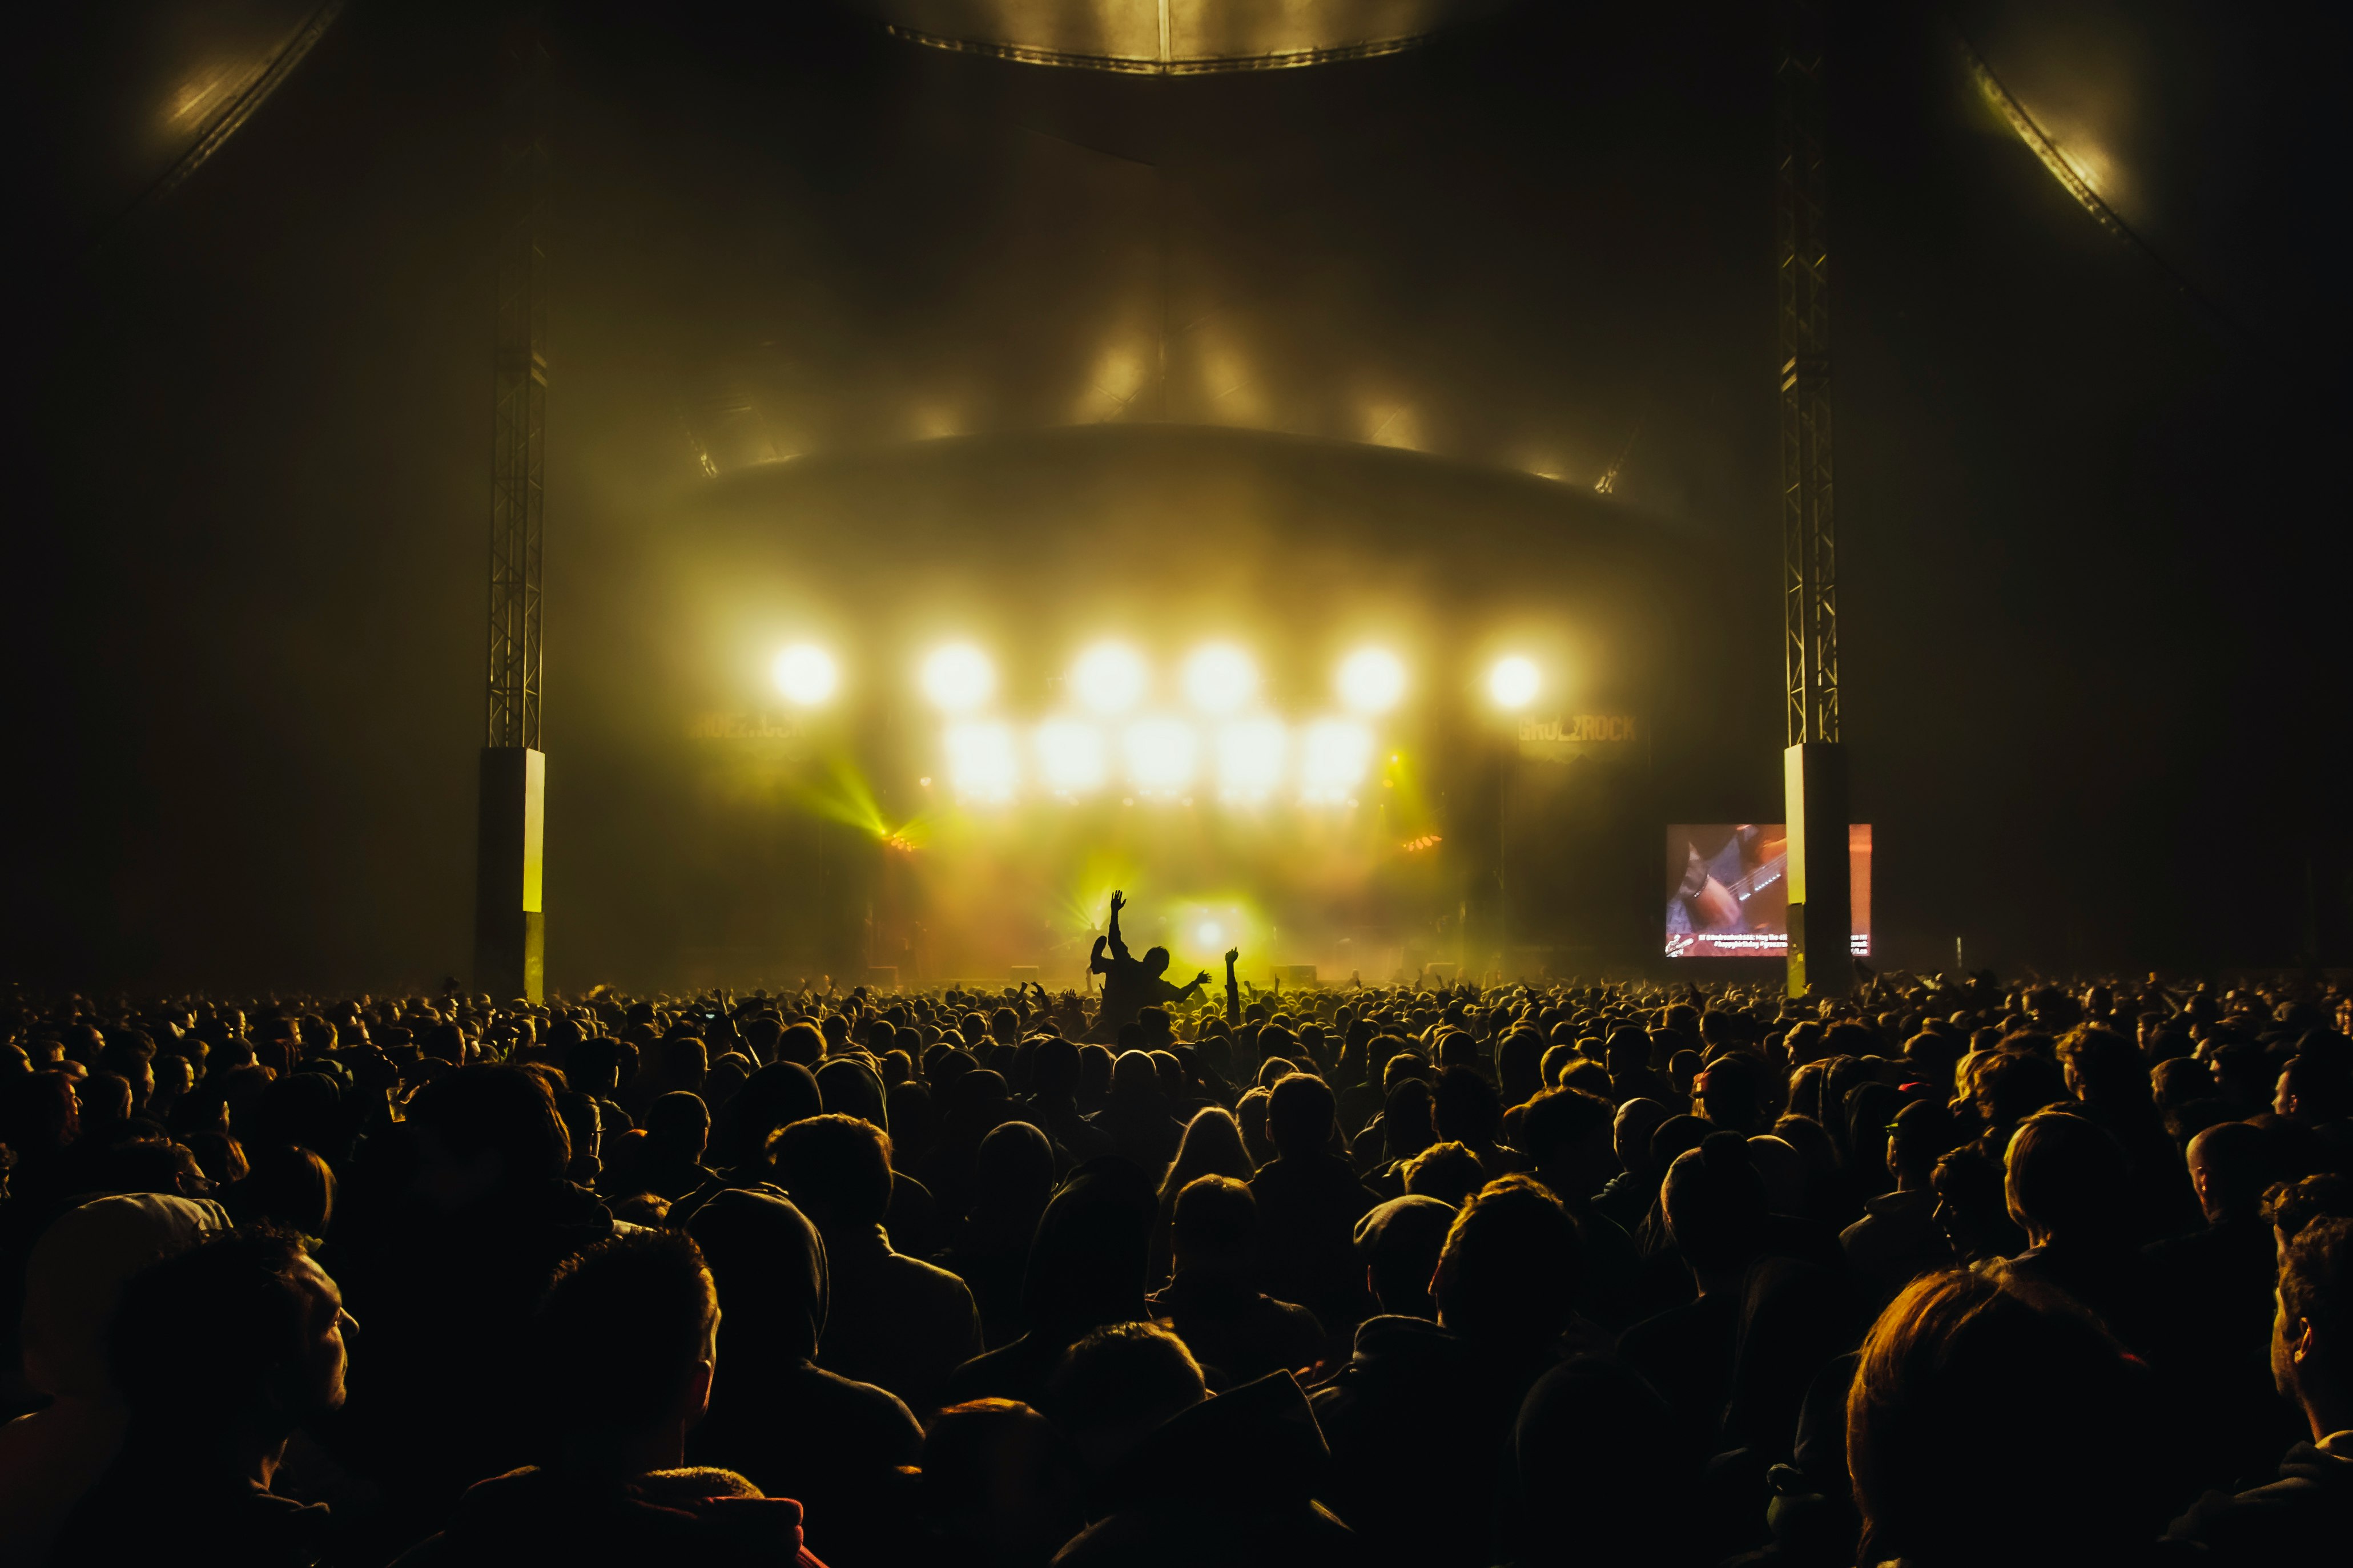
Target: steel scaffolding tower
[(1814, 771), (509, 931), (519, 452)]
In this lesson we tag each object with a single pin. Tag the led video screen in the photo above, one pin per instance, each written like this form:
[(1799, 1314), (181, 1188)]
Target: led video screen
[(1729, 895)]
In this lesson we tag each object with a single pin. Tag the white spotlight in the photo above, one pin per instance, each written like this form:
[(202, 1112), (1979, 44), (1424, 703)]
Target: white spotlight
[(1371, 680), (958, 677), (1220, 678), (1249, 756), (981, 763), (1333, 755), (1109, 677), (1513, 683), (1208, 934), (804, 674), (1070, 756), (1160, 753)]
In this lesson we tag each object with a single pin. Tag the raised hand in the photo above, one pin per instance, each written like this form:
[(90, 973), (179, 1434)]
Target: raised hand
[(1232, 954)]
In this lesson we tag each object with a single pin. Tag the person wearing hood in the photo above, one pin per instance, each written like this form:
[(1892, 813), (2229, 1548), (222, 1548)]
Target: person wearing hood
[(997, 1488), (1237, 1332), (614, 1488), (1712, 1201), (1054, 1105), (2304, 1517), (1137, 1117), (1423, 1410), (1177, 1475), (73, 1281), (1013, 1180), (1309, 1202), (896, 1321), (1598, 1478), (1401, 1131), (771, 1099), (789, 1425), (1568, 1135), (452, 1285), (1085, 1270), (851, 1088), (669, 1163)]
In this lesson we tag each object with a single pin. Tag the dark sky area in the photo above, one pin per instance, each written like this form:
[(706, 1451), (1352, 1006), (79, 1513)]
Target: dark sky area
[(2090, 498)]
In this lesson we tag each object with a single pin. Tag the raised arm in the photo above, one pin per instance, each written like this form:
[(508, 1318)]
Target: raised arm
[(1233, 992), (1118, 902)]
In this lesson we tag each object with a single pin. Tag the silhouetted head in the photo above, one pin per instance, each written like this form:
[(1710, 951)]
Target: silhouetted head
[(243, 1329), (1508, 1275), (997, 1481), (2312, 1331), (627, 1338), (1299, 1111), (838, 1170), (1966, 1371), (1714, 1203), (484, 1129), (2067, 1178), (1087, 1261), (1116, 1386), (1399, 1242), (2232, 1164), (1595, 1448), (769, 1268), (1449, 1171), (1215, 1221), (776, 1095)]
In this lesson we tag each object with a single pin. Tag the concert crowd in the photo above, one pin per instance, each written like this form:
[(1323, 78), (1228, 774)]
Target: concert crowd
[(1951, 1273)]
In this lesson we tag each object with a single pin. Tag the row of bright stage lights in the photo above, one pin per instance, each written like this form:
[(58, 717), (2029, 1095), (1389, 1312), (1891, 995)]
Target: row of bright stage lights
[(1248, 756)]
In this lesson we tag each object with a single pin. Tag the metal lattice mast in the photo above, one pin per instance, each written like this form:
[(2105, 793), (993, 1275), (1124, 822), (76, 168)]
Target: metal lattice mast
[(1809, 628), (519, 453), (510, 923)]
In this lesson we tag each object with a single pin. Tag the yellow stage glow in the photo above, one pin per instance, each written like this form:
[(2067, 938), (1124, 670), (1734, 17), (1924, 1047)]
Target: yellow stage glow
[(1249, 756), (1333, 756), (1208, 934), (1220, 678), (1514, 682), (958, 677), (981, 762), (1160, 753), (805, 673), (1372, 679), (1070, 756), (1109, 677)]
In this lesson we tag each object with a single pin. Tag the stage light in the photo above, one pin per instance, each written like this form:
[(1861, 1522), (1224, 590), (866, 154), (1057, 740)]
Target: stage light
[(1333, 756), (1220, 678), (1070, 756), (1160, 754), (1371, 680), (805, 673), (1513, 683), (1108, 678), (1209, 933), (1249, 756), (958, 677), (981, 762)]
